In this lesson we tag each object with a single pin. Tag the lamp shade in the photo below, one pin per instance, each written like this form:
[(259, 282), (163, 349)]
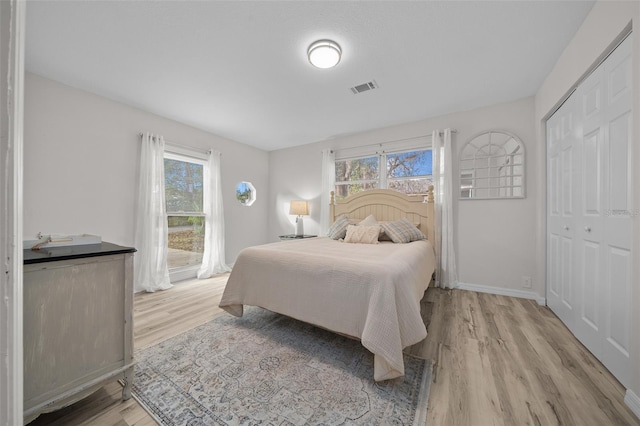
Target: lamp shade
[(299, 207)]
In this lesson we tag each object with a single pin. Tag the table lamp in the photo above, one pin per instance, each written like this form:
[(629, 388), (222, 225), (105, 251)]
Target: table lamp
[(299, 208)]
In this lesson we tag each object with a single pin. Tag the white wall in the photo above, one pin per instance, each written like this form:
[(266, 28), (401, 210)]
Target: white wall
[(495, 245), (602, 26), (81, 160)]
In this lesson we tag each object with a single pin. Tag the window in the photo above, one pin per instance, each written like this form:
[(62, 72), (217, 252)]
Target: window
[(184, 189), (246, 193), (355, 175), (409, 172)]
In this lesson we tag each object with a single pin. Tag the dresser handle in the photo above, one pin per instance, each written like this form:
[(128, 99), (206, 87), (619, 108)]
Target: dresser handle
[(587, 229)]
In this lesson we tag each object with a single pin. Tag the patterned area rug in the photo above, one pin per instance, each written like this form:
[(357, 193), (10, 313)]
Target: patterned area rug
[(269, 369)]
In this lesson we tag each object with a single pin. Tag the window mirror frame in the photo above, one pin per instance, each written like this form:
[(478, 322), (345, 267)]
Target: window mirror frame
[(252, 193), (469, 174)]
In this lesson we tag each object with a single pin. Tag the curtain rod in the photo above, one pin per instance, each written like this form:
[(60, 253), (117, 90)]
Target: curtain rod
[(387, 142), (177, 145)]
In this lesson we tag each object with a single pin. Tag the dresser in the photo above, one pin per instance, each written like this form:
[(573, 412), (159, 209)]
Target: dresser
[(78, 324)]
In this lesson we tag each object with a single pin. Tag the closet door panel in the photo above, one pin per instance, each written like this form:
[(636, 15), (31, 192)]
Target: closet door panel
[(618, 316), (619, 184), (567, 275), (554, 267), (591, 94), (591, 174), (588, 326), (554, 198), (567, 181), (618, 327)]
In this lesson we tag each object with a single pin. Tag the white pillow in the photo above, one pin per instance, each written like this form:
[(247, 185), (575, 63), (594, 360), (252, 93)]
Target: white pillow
[(368, 221), (371, 221), (362, 234)]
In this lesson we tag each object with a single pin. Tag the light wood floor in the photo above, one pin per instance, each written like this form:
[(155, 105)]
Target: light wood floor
[(499, 361)]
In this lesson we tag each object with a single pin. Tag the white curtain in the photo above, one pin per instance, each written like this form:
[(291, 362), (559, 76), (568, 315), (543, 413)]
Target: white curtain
[(446, 271), (150, 270), (328, 185), (213, 261)]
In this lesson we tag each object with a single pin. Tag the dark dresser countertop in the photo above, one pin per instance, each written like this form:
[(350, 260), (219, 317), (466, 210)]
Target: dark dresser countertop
[(52, 254)]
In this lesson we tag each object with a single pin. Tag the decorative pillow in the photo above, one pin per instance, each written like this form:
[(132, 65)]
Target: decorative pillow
[(362, 234), (339, 228), (383, 235), (368, 221), (402, 231), (371, 221)]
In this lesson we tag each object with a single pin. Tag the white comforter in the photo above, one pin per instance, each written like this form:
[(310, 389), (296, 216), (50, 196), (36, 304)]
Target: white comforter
[(368, 291)]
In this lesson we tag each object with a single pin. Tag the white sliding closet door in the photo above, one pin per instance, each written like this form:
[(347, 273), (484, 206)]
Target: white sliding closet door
[(589, 242)]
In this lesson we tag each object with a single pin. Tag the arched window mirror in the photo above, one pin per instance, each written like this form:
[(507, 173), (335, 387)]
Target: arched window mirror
[(492, 166), (245, 193)]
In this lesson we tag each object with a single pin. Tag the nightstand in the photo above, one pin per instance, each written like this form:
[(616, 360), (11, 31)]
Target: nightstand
[(295, 237)]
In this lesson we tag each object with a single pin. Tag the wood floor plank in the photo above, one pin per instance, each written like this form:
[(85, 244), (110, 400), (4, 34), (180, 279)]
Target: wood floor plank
[(497, 361)]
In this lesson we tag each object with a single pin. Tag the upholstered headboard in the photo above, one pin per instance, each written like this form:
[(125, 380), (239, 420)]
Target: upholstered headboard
[(387, 204)]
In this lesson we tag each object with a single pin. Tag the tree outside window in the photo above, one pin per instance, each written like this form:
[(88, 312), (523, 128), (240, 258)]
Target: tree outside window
[(184, 189), (356, 175), (409, 172)]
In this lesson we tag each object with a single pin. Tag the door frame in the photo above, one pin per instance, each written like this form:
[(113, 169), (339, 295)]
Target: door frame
[(12, 36)]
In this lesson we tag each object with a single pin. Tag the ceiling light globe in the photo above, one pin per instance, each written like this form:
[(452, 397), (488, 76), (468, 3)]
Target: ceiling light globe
[(324, 54)]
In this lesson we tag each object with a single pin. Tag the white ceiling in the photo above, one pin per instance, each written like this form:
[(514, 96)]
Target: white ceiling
[(239, 69)]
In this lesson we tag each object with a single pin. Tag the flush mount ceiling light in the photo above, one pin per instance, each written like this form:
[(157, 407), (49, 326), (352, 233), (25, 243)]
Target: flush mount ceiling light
[(324, 54)]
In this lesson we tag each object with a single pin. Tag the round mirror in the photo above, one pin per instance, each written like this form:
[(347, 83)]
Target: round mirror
[(492, 166), (246, 193)]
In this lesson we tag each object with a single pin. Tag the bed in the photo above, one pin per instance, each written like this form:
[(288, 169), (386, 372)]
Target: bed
[(370, 292)]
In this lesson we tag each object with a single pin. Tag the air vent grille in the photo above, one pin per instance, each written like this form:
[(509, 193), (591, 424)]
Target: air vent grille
[(364, 87)]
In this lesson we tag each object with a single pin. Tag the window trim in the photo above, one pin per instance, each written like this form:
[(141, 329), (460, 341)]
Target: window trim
[(184, 152)]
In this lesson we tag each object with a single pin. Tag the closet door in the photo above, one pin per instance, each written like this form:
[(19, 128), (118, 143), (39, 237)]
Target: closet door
[(618, 209), (589, 220), (589, 251), (561, 204)]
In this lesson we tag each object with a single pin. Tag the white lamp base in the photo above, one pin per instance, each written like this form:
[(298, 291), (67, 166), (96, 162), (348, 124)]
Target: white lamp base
[(299, 226)]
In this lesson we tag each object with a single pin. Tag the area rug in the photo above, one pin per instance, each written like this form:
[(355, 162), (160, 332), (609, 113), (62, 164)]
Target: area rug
[(268, 369)]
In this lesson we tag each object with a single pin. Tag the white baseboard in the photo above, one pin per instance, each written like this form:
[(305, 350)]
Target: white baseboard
[(185, 273), (503, 292), (633, 402)]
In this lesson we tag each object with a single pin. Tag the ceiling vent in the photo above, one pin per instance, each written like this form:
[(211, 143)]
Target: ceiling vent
[(364, 87)]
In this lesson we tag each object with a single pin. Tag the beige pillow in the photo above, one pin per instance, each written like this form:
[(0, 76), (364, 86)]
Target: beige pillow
[(362, 234), (368, 221), (371, 221)]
